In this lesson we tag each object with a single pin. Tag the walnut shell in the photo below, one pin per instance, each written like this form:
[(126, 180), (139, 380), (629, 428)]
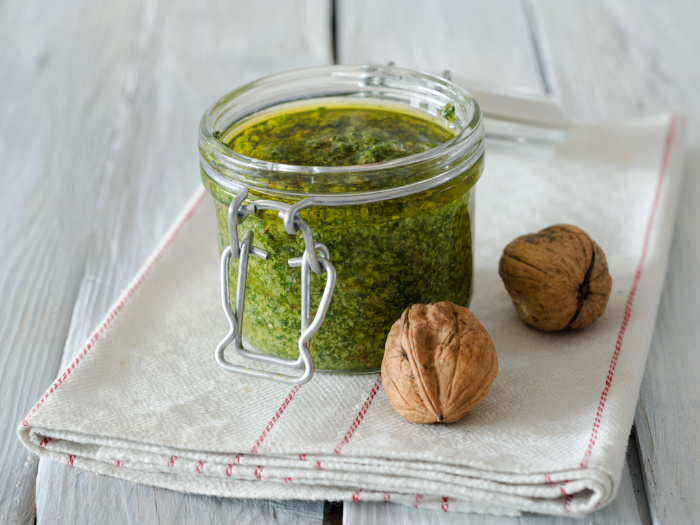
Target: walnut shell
[(439, 362), (557, 278)]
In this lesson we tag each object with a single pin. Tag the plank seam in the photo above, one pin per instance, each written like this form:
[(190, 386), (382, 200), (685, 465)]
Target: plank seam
[(536, 46)]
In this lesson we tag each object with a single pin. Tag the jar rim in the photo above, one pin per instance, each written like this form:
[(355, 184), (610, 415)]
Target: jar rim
[(417, 90)]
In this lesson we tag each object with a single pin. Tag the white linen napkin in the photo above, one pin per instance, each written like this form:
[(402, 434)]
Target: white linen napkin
[(145, 401)]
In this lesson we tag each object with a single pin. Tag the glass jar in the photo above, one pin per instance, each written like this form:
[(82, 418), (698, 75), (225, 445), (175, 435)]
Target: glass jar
[(396, 233)]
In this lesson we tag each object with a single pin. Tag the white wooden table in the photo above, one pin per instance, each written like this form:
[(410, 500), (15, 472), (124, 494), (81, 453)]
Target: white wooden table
[(99, 106)]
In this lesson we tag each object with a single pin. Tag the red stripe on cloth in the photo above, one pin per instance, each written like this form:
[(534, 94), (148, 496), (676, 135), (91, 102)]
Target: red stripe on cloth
[(630, 297), (360, 415), (416, 502), (274, 419), (567, 503), (122, 301)]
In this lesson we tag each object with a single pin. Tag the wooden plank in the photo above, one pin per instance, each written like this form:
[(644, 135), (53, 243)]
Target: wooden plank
[(483, 42), (668, 413), (639, 58), (621, 59), (107, 500), (99, 130), (54, 139), (498, 43), (156, 143)]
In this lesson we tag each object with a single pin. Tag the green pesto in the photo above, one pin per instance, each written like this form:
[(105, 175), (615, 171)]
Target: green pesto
[(388, 255), (338, 136)]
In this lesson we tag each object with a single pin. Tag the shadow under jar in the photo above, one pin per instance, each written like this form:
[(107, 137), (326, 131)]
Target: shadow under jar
[(397, 232)]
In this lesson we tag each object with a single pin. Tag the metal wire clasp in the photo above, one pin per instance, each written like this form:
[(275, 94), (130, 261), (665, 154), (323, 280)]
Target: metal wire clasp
[(309, 261)]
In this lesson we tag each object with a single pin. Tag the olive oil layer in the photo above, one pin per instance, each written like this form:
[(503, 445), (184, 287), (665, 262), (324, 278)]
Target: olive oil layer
[(338, 137)]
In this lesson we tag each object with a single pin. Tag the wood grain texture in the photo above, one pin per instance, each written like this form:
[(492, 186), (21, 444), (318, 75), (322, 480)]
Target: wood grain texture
[(484, 42), (668, 413), (620, 59), (54, 141), (99, 112), (624, 58), (109, 500)]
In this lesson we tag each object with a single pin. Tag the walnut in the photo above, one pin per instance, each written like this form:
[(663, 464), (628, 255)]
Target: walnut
[(557, 278), (439, 362)]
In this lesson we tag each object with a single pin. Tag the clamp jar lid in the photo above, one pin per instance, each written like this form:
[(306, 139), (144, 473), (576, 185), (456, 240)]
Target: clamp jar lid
[(395, 233)]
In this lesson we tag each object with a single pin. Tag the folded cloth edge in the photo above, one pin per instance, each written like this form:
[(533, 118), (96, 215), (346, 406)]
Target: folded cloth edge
[(673, 146)]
